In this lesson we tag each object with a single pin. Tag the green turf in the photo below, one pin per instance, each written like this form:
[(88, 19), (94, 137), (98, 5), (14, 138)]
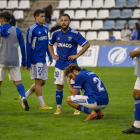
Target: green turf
[(36, 124)]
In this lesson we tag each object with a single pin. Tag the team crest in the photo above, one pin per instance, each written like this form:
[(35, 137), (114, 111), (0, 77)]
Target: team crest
[(69, 38)]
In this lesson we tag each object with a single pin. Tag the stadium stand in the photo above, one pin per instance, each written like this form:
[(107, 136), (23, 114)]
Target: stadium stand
[(12, 4), (75, 4)]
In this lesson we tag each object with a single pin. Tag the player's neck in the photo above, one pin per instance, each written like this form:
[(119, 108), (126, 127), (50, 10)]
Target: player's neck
[(65, 30), (39, 23)]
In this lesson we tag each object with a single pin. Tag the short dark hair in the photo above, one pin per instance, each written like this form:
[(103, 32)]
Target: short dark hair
[(38, 12), (6, 16), (70, 68), (65, 15)]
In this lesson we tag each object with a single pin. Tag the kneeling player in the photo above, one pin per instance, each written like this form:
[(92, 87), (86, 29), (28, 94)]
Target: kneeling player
[(95, 95)]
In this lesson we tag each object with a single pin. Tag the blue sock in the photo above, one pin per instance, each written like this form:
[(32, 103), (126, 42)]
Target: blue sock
[(59, 96), (78, 92), (21, 90), (84, 109), (137, 109)]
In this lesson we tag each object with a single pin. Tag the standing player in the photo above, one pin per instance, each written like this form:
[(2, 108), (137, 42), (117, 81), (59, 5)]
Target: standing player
[(37, 46), (67, 41), (95, 95), (10, 38), (136, 94)]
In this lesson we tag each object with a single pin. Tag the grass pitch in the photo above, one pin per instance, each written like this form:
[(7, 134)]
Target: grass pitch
[(36, 124)]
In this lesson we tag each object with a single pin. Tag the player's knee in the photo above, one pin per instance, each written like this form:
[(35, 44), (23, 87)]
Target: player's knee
[(69, 100), (136, 94), (60, 86)]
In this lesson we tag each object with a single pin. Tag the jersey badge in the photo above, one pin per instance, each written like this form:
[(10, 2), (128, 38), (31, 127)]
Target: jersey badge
[(69, 38), (58, 38), (45, 31)]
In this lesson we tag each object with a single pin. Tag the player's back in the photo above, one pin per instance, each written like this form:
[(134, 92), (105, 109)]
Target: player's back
[(9, 48)]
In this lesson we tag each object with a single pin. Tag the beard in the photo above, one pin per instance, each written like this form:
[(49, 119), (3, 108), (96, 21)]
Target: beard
[(65, 28)]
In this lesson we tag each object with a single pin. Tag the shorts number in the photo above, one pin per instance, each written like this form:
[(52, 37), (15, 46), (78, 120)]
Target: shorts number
[(40, 69), (95, 79), (56, 73)]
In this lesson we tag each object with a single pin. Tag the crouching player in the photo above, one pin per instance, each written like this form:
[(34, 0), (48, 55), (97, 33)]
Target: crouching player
[(95, 96)]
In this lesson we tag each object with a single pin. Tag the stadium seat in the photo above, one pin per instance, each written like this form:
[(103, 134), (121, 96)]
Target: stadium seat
[(79, 14), (98, 3), (86, 4), (91, 35), (70, 13), (132, 3), (120, 4), (12, 4), (109, 24), (97, 24), (103, 14), (85, 25), (75, 24), (103, 35), (24, 4), (83, 34), (114, 14), (117, 35), (18, 14), (63, 4), (55, 14), (91, 14), (126, 13), (53, 23), (3, 4), (136, 13), (109, 4), (120, 24), (131, 23), (75, 4)]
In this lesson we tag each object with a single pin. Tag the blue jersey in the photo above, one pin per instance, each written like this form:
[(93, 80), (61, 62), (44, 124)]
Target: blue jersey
[(92, 86), (67, 44), (112, 38), (37, 44), (4, 32)]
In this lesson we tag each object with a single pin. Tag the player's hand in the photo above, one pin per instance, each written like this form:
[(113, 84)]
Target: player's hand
[(55, 57), (68, 79), (132, 54), (72, 57), (23, 67), (50, 61)]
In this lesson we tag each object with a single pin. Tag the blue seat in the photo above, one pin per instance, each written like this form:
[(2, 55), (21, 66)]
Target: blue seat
[(109, 24), (126, 13), (114, 14), (120, 24), (132, 3), (120, 4), (131, 23)]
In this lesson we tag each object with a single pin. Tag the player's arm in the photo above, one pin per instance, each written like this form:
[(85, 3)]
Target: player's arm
[(134, 53), (50, 46), (84, 43), (22, 48), (49, 55), (29, 39), (71, 89)]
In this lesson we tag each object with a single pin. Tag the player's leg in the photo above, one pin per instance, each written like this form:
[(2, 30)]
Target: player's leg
[(15, 75), (80, 102), (136, 94), (76, 112), (59, 81), (2, 76), (90, 114)]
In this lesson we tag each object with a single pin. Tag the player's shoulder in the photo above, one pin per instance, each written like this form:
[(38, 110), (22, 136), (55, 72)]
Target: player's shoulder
[(44, 26), (74, 32), (33, 27), (55, 33)]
